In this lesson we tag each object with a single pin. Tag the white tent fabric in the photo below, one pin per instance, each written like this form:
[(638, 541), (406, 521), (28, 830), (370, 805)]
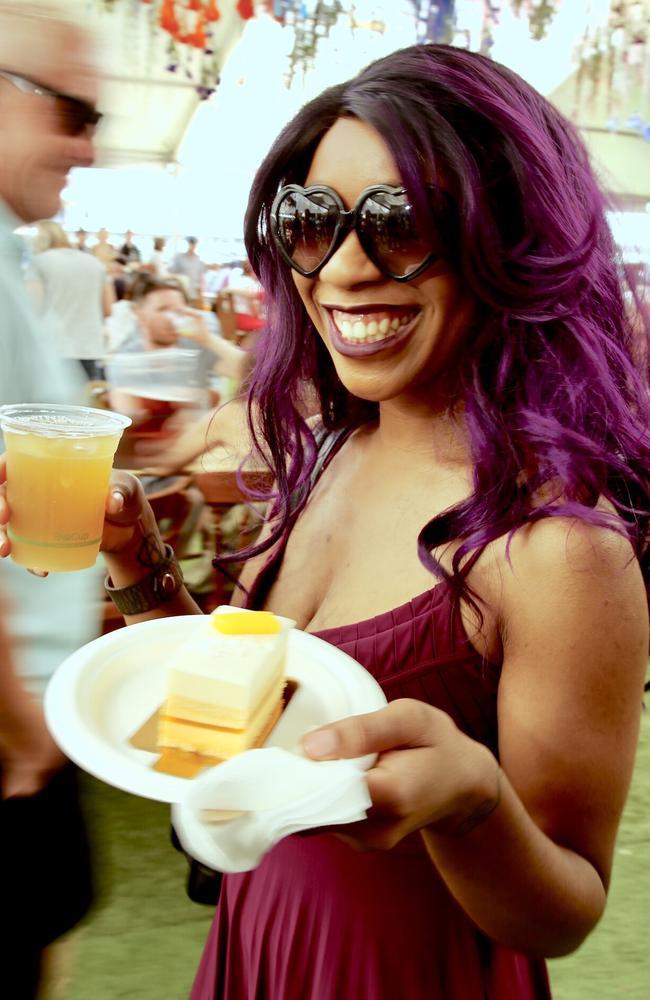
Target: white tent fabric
[(186, 166), (148, 108)]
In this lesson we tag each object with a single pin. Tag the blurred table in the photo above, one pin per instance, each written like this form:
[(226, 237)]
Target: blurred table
[(215, 474), (156, 487)]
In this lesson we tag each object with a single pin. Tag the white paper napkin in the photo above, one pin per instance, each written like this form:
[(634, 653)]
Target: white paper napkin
[(280, 793)]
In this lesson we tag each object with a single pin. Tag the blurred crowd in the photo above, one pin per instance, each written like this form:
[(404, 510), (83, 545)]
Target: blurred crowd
[(112, 308)]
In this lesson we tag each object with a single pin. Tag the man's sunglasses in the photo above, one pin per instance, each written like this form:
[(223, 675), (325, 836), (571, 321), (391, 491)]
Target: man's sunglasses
[(310, 224), (75, 114)]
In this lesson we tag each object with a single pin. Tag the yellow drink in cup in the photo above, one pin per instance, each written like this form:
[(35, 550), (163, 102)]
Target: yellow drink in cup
[(59, 461)]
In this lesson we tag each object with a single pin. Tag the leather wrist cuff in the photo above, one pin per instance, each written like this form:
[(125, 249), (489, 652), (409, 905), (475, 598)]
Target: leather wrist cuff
[(160, 586)]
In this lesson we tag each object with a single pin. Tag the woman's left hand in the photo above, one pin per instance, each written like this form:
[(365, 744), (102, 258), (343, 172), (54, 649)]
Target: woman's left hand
[(428, 773), (197, 329)]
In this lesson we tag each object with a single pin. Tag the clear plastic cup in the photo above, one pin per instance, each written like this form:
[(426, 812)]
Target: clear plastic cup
[(184, 325), (171, 375), (59, 461)]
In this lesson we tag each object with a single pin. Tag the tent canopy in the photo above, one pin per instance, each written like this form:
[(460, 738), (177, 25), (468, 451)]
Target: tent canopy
[(148, 108)]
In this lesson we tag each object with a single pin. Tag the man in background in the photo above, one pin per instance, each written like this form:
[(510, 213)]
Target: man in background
[(192, 269), (74, 294), (104, 250), (48, 94), (128, 253), (160, 319)]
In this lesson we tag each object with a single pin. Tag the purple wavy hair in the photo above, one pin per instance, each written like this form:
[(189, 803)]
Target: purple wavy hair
[(553, 395)]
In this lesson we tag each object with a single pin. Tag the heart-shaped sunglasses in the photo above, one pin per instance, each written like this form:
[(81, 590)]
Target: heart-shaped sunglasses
[(309, 225)]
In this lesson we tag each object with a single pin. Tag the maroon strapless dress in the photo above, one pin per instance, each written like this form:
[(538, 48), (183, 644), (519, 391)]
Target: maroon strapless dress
[(317, 920)]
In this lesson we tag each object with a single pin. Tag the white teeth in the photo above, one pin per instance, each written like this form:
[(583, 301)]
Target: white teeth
[(358, 332)]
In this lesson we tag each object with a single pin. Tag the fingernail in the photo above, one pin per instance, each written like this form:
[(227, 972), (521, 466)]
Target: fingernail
[(321, 743), (118, 500)]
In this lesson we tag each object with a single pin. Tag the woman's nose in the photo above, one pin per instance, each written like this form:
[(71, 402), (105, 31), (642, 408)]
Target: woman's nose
[(350, 265)]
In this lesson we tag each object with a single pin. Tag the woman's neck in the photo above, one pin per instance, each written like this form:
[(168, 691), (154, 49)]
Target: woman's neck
[(416, 428)]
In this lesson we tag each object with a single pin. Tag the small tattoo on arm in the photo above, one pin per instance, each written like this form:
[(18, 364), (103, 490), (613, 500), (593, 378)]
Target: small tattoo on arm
[(149, 553), (482, 811), (453, 826)]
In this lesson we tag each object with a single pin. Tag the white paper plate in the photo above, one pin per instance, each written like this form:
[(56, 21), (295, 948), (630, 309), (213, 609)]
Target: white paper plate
[(106, 690)]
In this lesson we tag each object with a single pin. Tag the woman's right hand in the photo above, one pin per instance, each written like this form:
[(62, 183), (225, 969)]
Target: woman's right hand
[(132, 546), (129, 517)]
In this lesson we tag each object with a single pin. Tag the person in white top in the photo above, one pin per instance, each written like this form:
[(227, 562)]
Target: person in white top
[(247, 297), (157, 264), (73, 290)]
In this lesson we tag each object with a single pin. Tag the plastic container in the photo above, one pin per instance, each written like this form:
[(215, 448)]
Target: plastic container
[(173, 375), (59, 461)]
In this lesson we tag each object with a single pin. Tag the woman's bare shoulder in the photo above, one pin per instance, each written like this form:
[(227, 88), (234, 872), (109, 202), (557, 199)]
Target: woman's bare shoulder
[(568, 573), (559, 547), (579, 564)]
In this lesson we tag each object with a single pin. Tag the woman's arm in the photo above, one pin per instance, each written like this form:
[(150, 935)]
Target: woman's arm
[(230, 359), (527, 856), (225, 426), (575, 637)]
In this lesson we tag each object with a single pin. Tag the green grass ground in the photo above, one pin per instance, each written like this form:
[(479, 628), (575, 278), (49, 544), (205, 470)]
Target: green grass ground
[(615, 960), (144, 939)]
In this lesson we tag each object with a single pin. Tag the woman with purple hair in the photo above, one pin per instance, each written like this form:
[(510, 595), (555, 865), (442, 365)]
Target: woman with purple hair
[(466, 515)]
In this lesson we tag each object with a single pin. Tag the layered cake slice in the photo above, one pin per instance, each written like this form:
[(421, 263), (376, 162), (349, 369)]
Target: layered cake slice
[(224, 688)]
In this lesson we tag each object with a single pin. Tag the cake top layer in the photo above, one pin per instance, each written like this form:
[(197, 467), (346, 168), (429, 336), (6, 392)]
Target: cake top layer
[(248, 623), (238, 659)]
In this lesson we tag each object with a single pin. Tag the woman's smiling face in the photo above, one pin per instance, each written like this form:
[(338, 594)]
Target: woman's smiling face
[(386, 338)]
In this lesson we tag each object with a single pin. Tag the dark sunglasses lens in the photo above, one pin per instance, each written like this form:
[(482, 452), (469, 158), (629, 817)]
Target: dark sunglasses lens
[(389, 233), (75, 116), (306, 225)]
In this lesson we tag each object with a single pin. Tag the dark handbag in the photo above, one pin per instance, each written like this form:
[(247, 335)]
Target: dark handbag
[(203, 883)]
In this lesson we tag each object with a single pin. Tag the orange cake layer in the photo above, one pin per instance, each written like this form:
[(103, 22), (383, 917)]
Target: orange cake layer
[(179, 706), (188, 763), (188, 734)]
